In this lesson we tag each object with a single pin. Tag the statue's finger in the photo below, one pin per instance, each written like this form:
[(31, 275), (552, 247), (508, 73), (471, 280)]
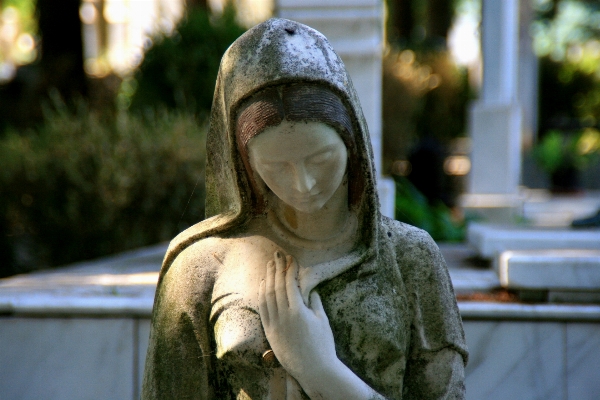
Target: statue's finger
[(270, 295), (280, 292), (291, 283)]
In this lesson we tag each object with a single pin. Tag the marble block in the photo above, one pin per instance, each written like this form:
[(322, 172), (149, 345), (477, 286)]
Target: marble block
[(70, 358), (467, 281), (550, 269), (490, 239), (583, 361), (515, 360)]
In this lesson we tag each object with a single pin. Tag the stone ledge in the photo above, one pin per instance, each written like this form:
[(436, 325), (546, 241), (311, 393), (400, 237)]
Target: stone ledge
[(490, 240), (470, 281), (52, 305), (570, 269), (119, 285), (123, 286), (528, 312)]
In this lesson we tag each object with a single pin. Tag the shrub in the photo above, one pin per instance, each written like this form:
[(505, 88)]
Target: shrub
[(82, 186), (435, 217), (179, 71), (559, 150)]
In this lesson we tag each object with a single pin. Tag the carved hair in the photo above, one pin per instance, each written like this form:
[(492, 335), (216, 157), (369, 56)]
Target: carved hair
[(294, 103)]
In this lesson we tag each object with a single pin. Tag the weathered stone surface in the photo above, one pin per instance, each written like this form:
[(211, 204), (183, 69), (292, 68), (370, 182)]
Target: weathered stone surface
[(363, 306)]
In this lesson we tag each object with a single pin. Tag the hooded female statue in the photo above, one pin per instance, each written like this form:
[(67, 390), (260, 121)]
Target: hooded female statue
[(295, 286)]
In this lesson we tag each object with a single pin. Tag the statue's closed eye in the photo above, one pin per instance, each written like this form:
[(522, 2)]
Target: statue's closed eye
[(321, 157)]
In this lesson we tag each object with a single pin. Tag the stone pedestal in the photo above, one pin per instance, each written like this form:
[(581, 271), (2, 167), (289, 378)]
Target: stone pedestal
[(496, 155), (355, 30)]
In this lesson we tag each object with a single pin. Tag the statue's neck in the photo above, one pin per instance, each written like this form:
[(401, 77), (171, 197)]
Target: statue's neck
[(322, 224)]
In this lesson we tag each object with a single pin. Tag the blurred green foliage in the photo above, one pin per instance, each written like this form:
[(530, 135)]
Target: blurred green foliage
[(567, 30), (436, 218), (179, 70), (567, 150), (83, 185), (569, 96), (566, 38), (26, 13)]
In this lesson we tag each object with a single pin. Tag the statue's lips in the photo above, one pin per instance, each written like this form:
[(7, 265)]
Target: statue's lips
[(305, 198)]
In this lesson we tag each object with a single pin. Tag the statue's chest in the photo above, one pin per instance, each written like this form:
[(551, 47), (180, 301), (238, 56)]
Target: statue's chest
[(371, 319), (367, 314)]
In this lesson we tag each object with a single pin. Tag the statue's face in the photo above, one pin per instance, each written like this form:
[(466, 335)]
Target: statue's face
[(303, 163)]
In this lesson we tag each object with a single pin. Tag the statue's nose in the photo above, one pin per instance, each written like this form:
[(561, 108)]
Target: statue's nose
[(304, 181)]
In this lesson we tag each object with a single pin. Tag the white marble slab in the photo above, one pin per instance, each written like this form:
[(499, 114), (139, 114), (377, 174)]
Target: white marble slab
[(479, 310), (550, 269), (467, 281), (583, 361), (63, 359), (490, 240), (515, 360), (119, 285)]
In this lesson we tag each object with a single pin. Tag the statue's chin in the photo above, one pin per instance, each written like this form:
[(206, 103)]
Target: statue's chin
[(307, 207), (309, 210)]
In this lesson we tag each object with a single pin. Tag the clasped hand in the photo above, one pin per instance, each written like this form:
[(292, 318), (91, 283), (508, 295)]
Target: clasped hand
[(300, 336)]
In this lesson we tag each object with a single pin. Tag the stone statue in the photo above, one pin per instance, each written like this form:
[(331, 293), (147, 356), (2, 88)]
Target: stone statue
[(296, 286)]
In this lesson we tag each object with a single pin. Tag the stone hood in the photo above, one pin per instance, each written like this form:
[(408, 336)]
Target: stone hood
[(275, 52)]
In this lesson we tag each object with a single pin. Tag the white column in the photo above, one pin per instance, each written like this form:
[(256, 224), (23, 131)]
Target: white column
[(500, 48), (355, 30), (495, 119), (528, 76)]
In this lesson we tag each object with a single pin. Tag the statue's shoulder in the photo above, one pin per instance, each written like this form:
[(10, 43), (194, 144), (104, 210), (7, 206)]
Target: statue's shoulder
[(403, 234), (195, 259), (416, 251), (214, 253)]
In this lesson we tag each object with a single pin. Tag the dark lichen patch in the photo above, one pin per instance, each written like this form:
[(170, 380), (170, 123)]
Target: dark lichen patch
[(368, 320)]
